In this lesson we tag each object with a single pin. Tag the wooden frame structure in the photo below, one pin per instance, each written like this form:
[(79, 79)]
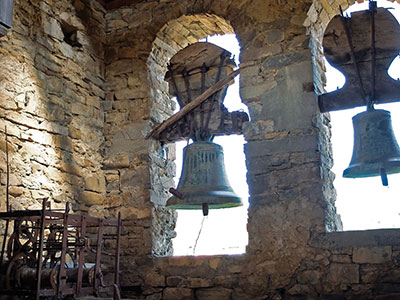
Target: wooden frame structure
[(41, 242)]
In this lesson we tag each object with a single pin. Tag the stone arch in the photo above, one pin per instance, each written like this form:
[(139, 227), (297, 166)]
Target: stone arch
[(172, 37)]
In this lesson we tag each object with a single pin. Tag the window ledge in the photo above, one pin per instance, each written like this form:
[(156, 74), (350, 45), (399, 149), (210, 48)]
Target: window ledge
[(359, 238)]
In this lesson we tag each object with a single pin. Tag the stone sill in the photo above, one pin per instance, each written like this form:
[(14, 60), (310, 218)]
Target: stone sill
[(232, 262), (359, 238)]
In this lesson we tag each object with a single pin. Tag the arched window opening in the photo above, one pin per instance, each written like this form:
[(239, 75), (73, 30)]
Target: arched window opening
[(174, 36), (223, 231), (363, 203)]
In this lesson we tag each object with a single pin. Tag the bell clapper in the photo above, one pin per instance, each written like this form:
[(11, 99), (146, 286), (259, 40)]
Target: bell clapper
[(205, 209), (384, 177)]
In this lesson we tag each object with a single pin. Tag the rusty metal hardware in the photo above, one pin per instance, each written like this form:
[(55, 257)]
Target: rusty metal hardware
[(48, 254)]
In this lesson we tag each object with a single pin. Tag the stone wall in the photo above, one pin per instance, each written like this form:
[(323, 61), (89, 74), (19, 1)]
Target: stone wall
[(287, 159), (78, 122), (51, 91)]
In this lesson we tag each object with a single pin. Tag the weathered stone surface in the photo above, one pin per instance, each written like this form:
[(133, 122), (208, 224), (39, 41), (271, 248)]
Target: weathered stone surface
[(53, 28), (309, 277), (174, 280), (91, 198), (95, 183), (214, 293), (154, 279), (78, 114), (197, 282), (178, 294), (343, 273), (281, 145), (372, 255)]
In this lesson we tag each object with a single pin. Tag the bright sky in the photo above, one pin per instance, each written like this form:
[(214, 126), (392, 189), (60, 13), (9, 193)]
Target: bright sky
[(362, 203)]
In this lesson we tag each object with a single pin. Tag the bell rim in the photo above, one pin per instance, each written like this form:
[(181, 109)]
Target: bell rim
[(185, 206), (214, 199), (359, 171)]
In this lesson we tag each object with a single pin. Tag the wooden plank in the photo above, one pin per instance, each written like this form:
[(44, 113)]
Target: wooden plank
[(97, 271), (337, 52), (40, 253), (192, 105), (81, 260), (62, 274)]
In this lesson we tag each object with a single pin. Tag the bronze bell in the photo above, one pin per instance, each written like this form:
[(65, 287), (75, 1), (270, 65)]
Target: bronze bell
[(203, 183), (375, 152)]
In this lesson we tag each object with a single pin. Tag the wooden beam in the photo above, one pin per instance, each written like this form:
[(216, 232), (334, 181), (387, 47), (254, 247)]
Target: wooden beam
[(193, 104)]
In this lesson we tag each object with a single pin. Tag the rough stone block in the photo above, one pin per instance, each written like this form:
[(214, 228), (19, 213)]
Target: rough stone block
[(288, 104), (174, 280), (258, 129), (135, 177), (16, 191), (251, 91), (178, 294), (310, 277), (39, 194), (90, 198), (286, 59), (95, 183), (119, 67), (227, 281), (258, 184), (53, 28), (155, 279), (198, 282), (341, 258), (219, 293), (372, 255), (273, 36), (285, 144), (130, 93), (136, 213), (343, 273)]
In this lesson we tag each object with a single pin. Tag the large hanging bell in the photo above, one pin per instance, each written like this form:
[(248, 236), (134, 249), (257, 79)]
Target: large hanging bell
[(375, 152), (203, 183)]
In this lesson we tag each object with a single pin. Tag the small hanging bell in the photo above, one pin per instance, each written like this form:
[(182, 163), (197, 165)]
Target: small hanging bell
[(375, 152), (203, 183)]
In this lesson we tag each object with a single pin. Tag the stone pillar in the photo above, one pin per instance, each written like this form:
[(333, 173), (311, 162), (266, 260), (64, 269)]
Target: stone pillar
[(287, 153)]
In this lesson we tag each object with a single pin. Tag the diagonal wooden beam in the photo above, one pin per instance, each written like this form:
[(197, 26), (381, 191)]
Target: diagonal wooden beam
[(193, 104)]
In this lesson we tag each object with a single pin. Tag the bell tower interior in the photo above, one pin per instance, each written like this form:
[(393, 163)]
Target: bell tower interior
[(82, 88)]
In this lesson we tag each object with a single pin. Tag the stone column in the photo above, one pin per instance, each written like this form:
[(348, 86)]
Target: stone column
[(287, 153)]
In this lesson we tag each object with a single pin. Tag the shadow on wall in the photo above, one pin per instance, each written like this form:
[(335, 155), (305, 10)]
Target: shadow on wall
[(51, 86)]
